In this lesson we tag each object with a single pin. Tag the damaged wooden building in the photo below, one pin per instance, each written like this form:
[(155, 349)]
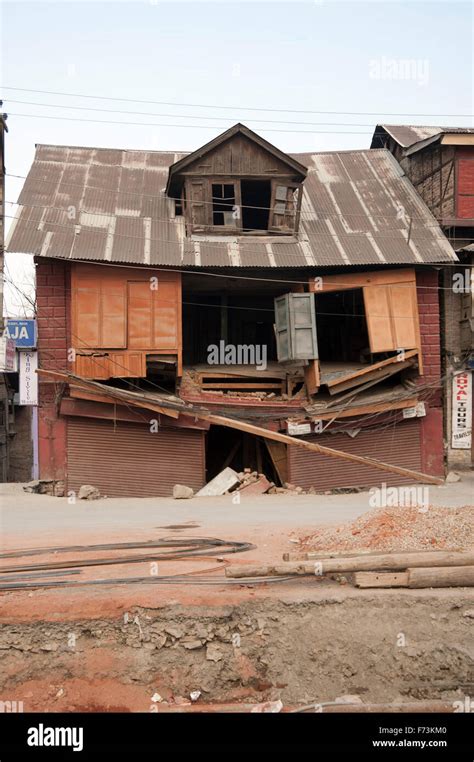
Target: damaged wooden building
[(297, 293)]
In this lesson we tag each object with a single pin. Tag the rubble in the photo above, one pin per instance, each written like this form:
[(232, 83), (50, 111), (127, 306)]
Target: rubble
[(181, 492), (222, 483), (399, 528), (46, 487), (88, 492)]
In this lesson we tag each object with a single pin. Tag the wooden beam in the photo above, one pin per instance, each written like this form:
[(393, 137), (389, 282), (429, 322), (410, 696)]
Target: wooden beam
[(454, 576), (220, 420), (396, 359), (386, 561), (348, 281)]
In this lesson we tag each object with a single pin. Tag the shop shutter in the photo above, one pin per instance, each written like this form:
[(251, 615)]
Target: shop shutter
[(128, 460), (398, 444)]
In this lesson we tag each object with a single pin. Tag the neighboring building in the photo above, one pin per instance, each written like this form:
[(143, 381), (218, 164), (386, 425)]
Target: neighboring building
[(439, 161), (5, 395), (158, 270)]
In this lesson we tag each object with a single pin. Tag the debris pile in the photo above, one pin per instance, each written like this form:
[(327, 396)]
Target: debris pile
[(397, 529)]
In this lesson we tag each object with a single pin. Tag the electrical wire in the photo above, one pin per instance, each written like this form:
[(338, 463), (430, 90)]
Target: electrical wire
[(239, 108)]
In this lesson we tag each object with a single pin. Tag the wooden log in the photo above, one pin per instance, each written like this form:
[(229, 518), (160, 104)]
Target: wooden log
[(453, 576), (249, 428), (381, 579), (387, 561)]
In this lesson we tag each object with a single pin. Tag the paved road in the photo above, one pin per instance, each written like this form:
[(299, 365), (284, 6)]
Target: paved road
[(41, 516)]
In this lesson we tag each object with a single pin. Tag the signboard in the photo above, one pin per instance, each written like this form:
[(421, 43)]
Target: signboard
[(22, 331), (28, 378), (7, 355), (462, 411), (298, 428)]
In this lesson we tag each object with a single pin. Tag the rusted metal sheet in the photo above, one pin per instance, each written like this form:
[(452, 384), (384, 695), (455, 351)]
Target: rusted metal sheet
[(398, 444), (407, 135), (350, 214), (128, 460)]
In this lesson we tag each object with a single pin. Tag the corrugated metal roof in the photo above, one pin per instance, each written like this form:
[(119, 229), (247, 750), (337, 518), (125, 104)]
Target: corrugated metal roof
[(110, 205), (407, 135)]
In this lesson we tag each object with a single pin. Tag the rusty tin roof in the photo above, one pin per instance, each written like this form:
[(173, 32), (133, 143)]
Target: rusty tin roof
[(109, 205)]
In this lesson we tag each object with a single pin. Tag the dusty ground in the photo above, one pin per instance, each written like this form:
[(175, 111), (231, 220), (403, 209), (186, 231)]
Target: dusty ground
[(302, 640)]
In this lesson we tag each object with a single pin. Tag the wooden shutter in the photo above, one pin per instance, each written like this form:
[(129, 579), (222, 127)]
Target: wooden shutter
[(166, 315), (113, 300), (153, 315), (284, 206), (139, 315), (296, 327), (199, 209), (98, 311), (86, 314), (391, 313)]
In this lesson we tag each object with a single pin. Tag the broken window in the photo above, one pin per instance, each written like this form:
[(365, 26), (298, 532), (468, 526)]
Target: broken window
[(256, 198), (223, 204)]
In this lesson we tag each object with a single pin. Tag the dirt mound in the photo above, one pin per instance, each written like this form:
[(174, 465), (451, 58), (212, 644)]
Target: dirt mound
[(397, 529)]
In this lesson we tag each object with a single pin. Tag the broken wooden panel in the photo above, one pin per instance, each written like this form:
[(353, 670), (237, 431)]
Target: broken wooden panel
[(196, 192), (278, 455), (286, 199)]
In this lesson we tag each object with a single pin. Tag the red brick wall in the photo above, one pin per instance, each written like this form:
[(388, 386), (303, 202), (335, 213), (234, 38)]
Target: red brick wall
[(431, 433), (53, 296)]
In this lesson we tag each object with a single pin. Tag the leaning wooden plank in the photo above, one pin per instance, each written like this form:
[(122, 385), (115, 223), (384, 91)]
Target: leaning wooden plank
[(381, 579), (249, 428), (453, 576), (377, 375), (375, 366), (386, 561)]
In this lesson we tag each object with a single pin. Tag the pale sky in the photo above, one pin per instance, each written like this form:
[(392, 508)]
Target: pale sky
[(408, 62)]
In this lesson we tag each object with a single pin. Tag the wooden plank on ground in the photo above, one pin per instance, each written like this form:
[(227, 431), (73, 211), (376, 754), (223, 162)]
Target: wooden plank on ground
[(381, 579), (453, 576)]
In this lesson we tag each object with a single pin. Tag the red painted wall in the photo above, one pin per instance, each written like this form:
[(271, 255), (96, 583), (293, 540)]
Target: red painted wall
[(52, 295)]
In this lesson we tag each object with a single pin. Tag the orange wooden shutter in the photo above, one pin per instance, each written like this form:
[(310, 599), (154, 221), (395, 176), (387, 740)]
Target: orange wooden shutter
[(86, 313), (113, 300), (391, 313), (165, 315), (139, 315)]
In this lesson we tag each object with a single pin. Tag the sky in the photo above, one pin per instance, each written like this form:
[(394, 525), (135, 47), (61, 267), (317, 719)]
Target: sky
[(257, 63)]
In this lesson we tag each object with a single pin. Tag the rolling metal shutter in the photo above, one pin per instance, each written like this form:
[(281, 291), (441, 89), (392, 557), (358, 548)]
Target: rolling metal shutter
[(398, 444), (127, 460)]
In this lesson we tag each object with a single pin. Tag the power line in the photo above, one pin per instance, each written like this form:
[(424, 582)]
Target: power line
[(184, 116), (186, 126), (238, 108)]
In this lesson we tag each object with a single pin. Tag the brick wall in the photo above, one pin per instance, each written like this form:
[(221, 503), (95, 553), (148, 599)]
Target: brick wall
[(53, 297), (431, 430)]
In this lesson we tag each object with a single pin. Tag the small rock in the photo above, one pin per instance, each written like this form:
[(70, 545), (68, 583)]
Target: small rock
[(469, 613), (194, 695), (453, 476), (269, 707), (191, 645), (181, 492), (176, 632), (156, 698), (88, 492), (349, 698), (213, 652)]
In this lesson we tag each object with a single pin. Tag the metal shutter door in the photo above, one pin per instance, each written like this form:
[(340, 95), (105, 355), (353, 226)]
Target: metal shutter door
[(127, 460), (399, 445)]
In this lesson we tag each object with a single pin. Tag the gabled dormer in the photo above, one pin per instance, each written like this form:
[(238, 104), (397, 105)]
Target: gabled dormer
[(238, 184)]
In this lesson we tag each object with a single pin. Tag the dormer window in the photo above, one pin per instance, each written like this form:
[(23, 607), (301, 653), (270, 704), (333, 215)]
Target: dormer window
[(238, 184)]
